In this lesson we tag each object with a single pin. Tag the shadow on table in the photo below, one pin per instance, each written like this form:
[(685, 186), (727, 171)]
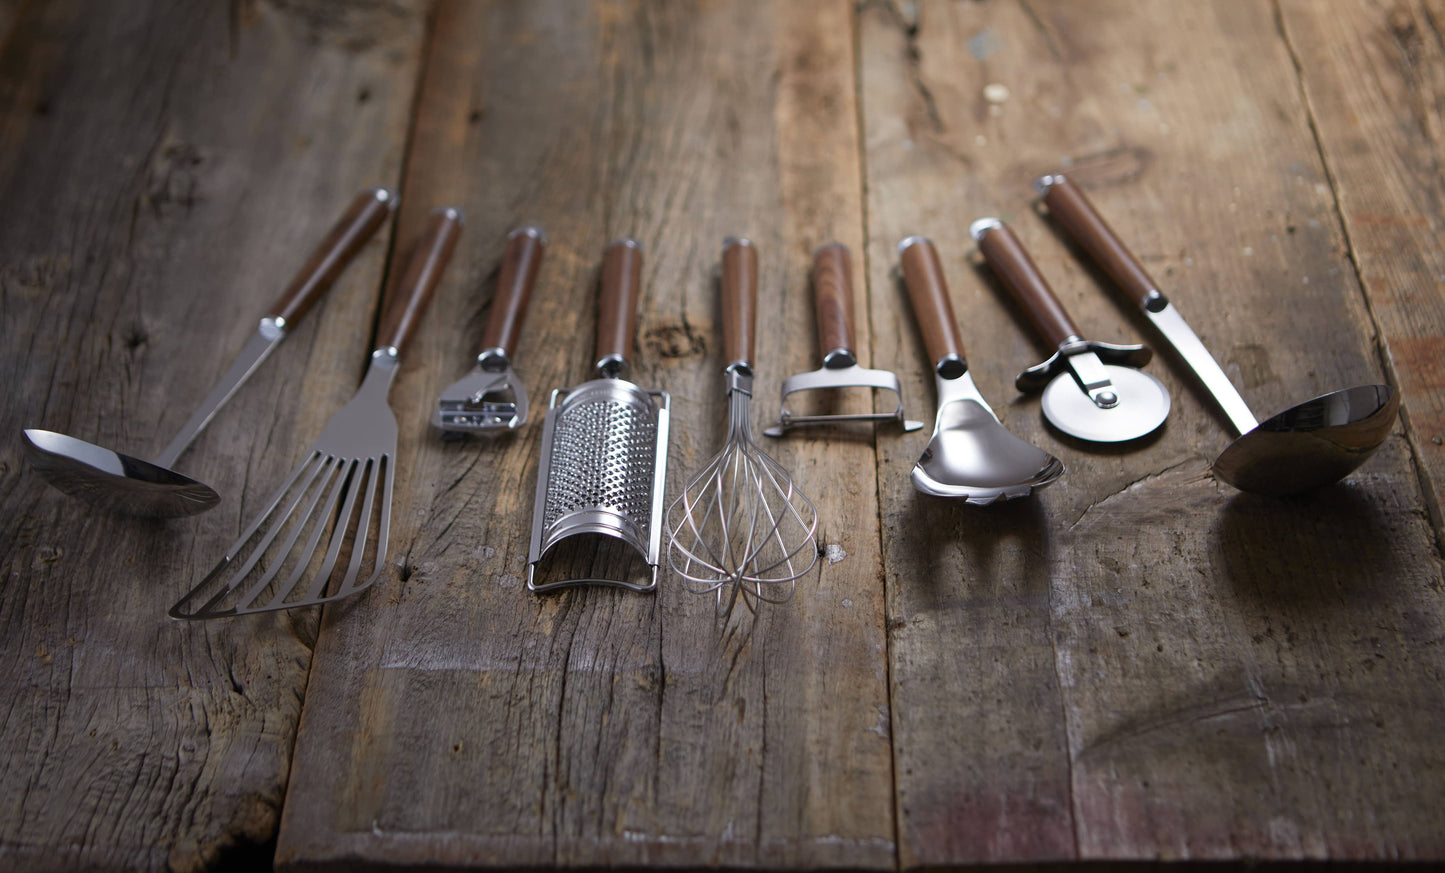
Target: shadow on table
[(1310, 549)]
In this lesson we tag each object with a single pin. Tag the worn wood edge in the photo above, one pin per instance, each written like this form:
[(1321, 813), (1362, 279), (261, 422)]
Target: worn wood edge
[(221, 698), (1325, 79)]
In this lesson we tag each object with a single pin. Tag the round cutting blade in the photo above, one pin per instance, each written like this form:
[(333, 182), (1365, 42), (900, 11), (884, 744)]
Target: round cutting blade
[(1143, 405)]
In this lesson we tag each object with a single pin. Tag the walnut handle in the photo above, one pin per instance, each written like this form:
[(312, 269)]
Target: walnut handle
[(923, 274), (426, 260), (1009, 259), (617, 305), (833, 297), (1071, 209), (739, 299), (367, 212), (520, 263)]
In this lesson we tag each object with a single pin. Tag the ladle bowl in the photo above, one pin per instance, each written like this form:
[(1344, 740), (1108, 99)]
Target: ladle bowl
[(113, 481), (1313, 444)]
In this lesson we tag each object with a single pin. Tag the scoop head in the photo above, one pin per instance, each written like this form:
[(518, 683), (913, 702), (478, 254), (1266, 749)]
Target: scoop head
[(1311, 445), (113, 481), (974, 457)]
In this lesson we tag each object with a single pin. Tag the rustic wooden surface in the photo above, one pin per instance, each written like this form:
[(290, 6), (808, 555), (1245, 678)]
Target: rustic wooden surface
[(1137, 664)]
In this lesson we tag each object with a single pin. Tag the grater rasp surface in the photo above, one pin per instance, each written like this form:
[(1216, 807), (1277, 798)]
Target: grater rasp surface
[(604, 455), (603, 452)]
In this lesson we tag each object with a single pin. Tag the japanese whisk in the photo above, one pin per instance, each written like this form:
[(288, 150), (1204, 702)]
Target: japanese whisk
[(741, 529)]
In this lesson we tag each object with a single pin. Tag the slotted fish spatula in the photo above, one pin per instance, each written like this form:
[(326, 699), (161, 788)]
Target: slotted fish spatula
[(333, 493)]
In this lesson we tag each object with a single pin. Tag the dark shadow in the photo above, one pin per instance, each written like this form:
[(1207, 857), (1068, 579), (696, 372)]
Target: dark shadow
[(1020, 527), (1328, 546)]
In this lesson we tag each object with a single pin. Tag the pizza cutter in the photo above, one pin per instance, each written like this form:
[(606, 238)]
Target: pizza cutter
[(1091, 390)]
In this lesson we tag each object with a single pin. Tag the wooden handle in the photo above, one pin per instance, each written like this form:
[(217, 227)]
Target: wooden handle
[(923, 274), (366, 213), (1087, 227), (520, 263), (425, 263), (833, 297), (739, 299), (1008, 258), (617, 307)]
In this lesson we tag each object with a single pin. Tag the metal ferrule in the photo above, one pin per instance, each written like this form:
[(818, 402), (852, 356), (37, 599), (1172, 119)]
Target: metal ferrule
[(273, 327), (494, 360), (740, 377), (531, 230), (1043, 183), (451, 212), (909, 241), (390, 352), (627, 241), (611, 367), (983, 226), (950, 366), (840, 358)]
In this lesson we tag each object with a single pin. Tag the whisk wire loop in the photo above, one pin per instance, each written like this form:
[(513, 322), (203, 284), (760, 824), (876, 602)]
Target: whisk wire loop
[(741, 529)]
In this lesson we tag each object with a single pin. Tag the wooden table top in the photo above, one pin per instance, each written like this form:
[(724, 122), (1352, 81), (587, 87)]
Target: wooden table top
[(1137, 663)]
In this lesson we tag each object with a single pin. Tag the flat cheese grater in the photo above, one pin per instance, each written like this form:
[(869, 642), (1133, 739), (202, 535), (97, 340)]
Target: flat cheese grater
[(604, 442)]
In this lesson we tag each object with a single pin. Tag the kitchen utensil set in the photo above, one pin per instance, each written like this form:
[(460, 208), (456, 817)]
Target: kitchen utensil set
[(741, 530)]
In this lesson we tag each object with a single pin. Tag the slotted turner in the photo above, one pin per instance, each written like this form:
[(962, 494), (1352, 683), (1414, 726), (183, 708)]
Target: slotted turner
[(333, 493)]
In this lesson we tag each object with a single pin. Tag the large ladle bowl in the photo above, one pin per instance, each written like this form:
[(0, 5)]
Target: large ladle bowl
[(121, 483), (113, 481), (1311, 445), (1304, 448)]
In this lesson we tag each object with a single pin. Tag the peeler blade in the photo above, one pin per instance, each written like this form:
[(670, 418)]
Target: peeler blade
[(483, 401), (840, 377)]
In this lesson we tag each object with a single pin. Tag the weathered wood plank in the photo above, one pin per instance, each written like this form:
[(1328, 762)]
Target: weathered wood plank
[(453, 718), (167, 167), (1141, 663), (1374, 79)]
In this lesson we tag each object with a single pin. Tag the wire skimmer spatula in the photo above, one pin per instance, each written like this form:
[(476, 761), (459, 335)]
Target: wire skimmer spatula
[(333, 493)]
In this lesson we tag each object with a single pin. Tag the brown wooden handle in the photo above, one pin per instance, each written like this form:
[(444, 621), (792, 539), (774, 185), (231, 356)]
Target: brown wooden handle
[(1087, 227), (833, 297), (426, 260), (366, 213), (1008, 258), (927, 290), (520, 263), (739, 299), (617, 306)]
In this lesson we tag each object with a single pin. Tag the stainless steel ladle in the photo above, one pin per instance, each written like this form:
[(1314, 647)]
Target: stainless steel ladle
[(1301, 449), (121, 483)]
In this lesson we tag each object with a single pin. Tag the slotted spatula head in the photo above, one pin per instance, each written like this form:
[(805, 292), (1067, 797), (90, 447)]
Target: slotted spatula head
[(341, 491)]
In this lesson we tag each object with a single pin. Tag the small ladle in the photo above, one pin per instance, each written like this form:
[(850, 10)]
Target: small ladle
[(1304, 448), (121, 483)]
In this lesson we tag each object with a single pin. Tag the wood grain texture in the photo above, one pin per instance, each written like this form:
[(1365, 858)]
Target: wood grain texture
[(1140, 663), (452, 718), (176, 164), (1374, 79)]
